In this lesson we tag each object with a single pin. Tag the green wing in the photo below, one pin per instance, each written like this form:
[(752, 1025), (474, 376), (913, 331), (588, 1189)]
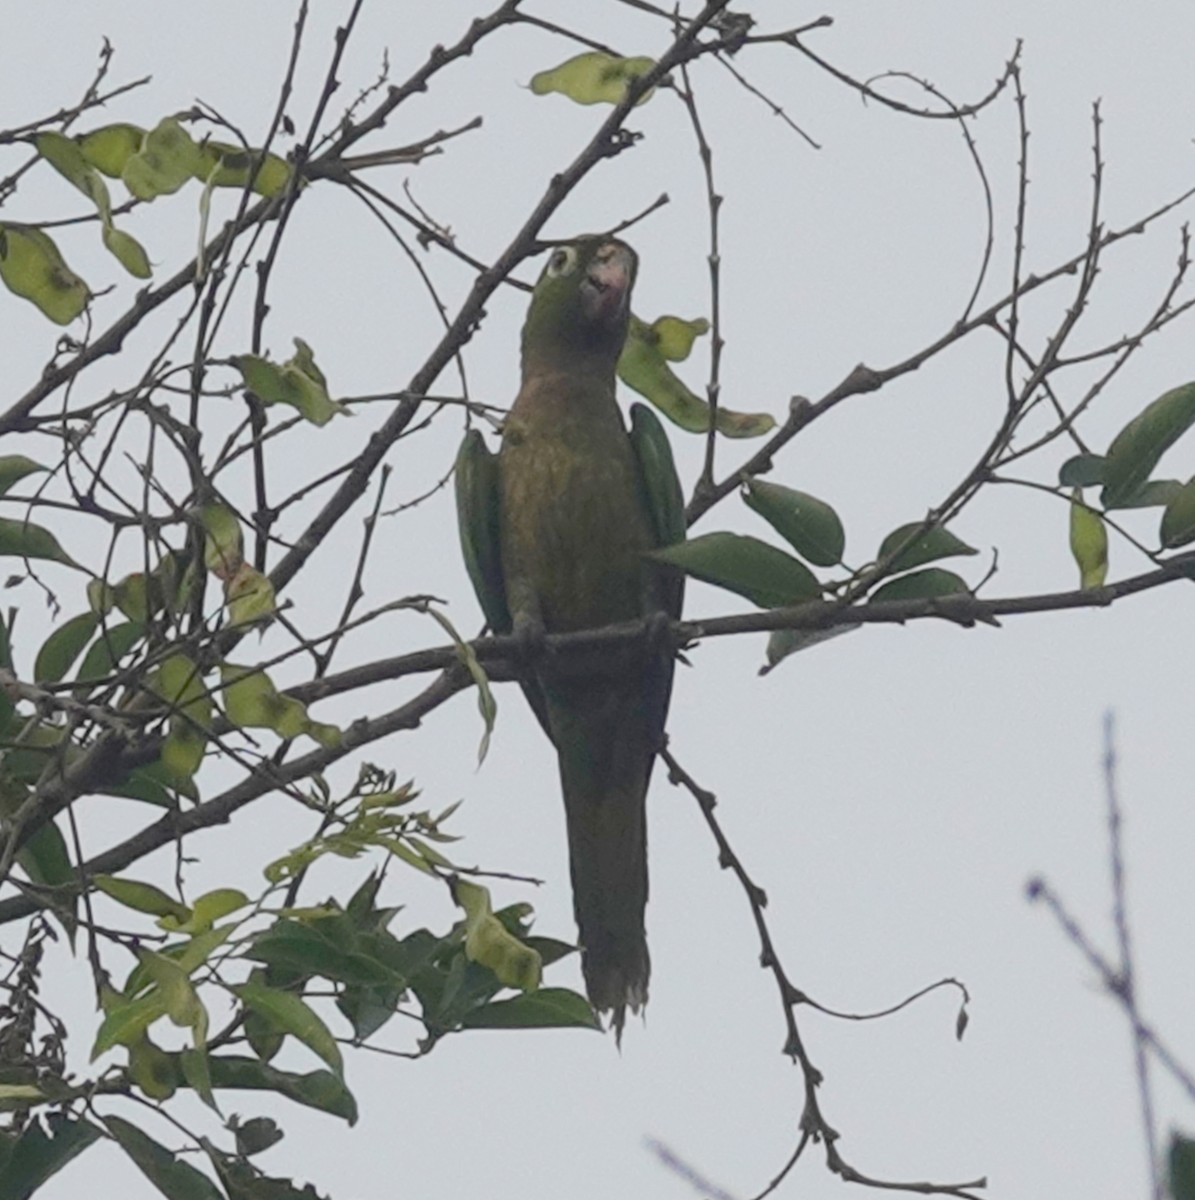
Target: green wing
[(477, 519), (481, 546), (665, 500)]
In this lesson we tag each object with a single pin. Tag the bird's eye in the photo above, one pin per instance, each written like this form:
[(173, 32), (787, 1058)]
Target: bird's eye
[(562, 261)]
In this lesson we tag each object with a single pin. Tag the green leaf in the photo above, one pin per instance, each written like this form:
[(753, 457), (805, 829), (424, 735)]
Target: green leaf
[(642, 365), (180, 684), (194, 1064), (14, 468), (290, 1014), (921, 548), (228, 166), (594, 78), (318, 1089), (1154, 493), (125, 1023), (41, 1152), (106, 652), (32, 267), (250, 596), (1089, 542), (154, 1071), (785, 642), (1136, 449), (64, 155), (765, 575), (920, 585), (24, 540), (45, 858), (251, 701), (1181, 1167), (60, 650), (127, 251), (142, 897), (809, 525), (255, 1135), (487, 706), (223, 543), (1083, 470), (8, 707), (298, 382), (1178, 521), (490, 943), (206, 911), (327, 947), (242, 1181), (110, 147), (181, 1000), (548, 1008), (173, 1177), (168, 157)]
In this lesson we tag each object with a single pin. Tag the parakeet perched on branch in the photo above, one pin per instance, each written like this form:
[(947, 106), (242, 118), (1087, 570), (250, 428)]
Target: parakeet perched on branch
[(554, 530)]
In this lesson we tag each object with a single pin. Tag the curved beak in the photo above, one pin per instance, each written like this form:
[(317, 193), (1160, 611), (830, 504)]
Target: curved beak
[(606, 289)]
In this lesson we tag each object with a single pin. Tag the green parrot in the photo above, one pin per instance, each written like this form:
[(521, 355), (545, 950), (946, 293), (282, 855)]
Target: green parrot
[(554, 530)]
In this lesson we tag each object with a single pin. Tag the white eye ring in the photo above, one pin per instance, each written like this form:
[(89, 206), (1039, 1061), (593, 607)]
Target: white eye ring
[(563, 260)]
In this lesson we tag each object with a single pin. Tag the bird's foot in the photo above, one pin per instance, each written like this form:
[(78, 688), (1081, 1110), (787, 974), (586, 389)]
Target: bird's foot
[(657, 633), (531, 639)]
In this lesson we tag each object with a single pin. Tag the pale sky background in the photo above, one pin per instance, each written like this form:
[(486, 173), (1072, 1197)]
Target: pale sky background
[(892, 790)]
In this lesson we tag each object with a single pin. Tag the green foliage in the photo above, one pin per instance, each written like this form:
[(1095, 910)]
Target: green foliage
[(40, 1151), (912, 545), (1181, 1167), (593, 78), (920, 585), (32, 267), (1138, 447), (643, 365), (809, 525), (1089, 542), (23, 539), (764, 575), (298, 383), (251, 701)]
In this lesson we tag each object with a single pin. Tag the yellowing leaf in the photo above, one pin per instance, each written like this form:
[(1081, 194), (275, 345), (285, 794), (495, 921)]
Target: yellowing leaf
[(250, 596), (206, 911), (1089, 542), (593, 78), (110, 147), (674, 338), (153, 1070), (643, 366), (298, 382), (32, 267), (223, 165), (490, 943), (253, 702), (179, 997), (128, 251), (64, 155), (168, 157), (223, 544)]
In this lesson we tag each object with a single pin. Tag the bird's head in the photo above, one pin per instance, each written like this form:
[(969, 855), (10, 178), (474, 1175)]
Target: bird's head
[(581, 305)]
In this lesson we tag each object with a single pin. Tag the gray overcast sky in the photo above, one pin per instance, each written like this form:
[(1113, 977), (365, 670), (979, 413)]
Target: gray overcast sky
[(891, 790)]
